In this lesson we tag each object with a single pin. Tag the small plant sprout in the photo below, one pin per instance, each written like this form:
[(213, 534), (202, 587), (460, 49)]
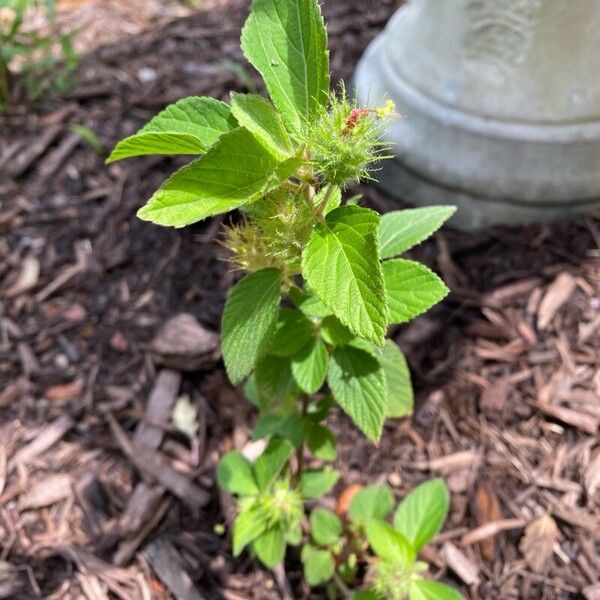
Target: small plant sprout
[(305, 328)]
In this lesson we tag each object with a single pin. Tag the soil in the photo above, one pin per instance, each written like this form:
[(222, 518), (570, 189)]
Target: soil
[(506, 370)]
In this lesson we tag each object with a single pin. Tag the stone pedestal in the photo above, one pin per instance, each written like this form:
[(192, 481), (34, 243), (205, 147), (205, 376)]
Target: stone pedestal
[(500, 105)]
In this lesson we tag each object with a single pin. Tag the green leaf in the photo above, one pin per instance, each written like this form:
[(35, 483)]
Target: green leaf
[(237, 170), (400, 230), (397, 378), (309, 366), (309, 304), (190, 126), (367, 595), (289, 427), (271, 462), (333, 201), (357, 383), (270, 547), (316, 483), (320, 409), (334, 333), (325, 526), (423, 589), (371, 502), (274, 380), (411, 288), (293, 331), (341, 265), (286, 41), (318, 565), (258, 115), (421, 515), (248, 321), (251, 392), (321, 442), (389, 544), (248, 525), (235, 474), (293, 534)]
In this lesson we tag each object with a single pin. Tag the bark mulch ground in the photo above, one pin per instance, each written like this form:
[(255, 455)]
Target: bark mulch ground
[(105, 321)]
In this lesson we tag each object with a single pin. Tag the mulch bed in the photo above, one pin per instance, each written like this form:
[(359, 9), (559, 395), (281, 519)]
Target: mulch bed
[(102, 497)]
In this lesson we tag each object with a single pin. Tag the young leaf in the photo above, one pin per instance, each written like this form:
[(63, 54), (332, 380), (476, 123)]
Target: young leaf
[(371, 502), (248, 321), (293, 331), (400, 230), (321, 442), (270, 546), (309, 366), (318, 565), (334, 333), (286, 41), (325, 526), (424, 589), (237, 170), (293, 534), (341, 265), (235, 474), (411, 289), (274, 380), (397, 378), (248, 525), (357, 383), (258, 115), (421, 515), (316, 483), (190, 126), (389, 544), (271, 462)]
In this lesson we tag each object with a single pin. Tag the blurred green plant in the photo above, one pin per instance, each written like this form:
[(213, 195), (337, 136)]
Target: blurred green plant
[(44, 61)]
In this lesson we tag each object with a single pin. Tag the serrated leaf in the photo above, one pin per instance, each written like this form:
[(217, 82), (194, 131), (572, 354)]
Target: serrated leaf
[(400, 230), (235, 474), (270, 547), (389, 544), (316, 483), (248, 525), (237, 170), (258, 115), (274, 380), (397, 378), (190, 126), (411, 288), (325, 526), (293, 331), (421, 514), (286, 41), (321, 442), (318, 565), (309, 366), (358, 385), (424, 589), (341, 265), (271, 462), (371, 502), (334, 333), (249, 319)]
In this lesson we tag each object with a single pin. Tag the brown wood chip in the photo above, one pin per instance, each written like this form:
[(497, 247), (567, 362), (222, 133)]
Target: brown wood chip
[(558, 292), (537, 543), (464, 567)]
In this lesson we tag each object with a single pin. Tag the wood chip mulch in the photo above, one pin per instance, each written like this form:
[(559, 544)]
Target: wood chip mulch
[(108, 327)]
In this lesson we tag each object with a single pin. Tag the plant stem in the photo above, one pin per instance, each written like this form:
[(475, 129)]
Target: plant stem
[(341, 586), (325, 200), (4, 85), (300, 450)]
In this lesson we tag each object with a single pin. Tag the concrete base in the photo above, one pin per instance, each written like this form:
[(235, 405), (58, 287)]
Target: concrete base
[(496, 170)]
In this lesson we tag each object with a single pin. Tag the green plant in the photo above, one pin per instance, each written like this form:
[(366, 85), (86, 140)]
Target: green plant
[(44, 61), (306, 327)]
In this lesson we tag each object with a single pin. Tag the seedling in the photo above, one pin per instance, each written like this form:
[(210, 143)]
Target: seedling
[(305, 328)]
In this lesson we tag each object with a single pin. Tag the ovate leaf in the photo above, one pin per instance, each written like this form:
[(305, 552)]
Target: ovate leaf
[(293, 331), (371, 502), (271, 462), (237, 170), (270, 546), (316, 483), (235, 474), (334, 333), (325, 526), (248, 525), (258, 115), (389, 544), (190, 126), (274, 380), (424, 589), (309, 304), (318, 565), (341, 265), (248, 321), (358, 385), (286, 41), (397, 378), (321, 442), (400, 230), (421, 515), (309, 366), (411, 288)]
